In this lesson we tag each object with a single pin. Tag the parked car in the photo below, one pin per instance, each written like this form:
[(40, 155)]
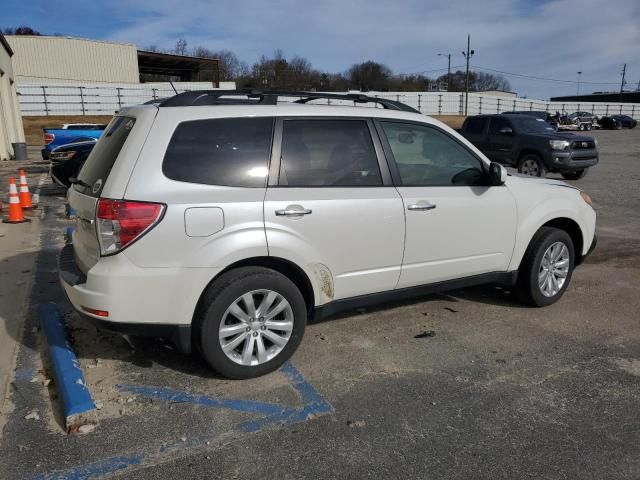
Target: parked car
[(617, 122), (581, 120), (67, 160), (225, 219), (69, 133), (531, 145)]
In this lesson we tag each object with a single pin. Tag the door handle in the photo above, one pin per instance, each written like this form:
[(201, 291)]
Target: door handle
[(293, 212), (421, 206)]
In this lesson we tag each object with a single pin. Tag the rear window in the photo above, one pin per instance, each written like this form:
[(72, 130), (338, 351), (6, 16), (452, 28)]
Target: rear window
[(230, 152), (95, 171), (475, 125)]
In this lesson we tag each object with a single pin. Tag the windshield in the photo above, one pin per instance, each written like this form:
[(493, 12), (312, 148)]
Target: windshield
[(532, 125)]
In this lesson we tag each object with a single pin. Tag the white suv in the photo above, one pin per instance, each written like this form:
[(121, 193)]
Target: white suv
[(224, 219)]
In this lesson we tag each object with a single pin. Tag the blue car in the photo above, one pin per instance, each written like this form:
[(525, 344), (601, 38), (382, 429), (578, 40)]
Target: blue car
[(70, 133)]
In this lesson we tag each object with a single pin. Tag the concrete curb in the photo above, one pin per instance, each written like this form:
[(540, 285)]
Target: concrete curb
[(78, 406)]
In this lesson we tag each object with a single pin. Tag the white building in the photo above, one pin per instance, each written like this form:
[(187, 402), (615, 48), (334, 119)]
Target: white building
[(46, 60), (11, 130)]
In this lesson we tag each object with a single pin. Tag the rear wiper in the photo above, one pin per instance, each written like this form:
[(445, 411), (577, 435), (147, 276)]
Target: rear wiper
[(76, 181)]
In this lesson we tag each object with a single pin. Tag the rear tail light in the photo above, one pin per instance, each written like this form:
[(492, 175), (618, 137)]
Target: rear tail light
[(48, 138), (119, 223)]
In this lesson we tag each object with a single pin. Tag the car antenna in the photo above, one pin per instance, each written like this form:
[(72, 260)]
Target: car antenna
[(173, 86)]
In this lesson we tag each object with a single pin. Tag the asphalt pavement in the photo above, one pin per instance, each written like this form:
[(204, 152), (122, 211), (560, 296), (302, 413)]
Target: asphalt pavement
[(493, 390)]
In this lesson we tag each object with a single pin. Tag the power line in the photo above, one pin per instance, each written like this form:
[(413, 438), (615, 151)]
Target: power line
[(432, 71), (546, 79)]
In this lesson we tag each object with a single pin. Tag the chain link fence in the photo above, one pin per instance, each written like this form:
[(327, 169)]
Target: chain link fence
[(106, 100)]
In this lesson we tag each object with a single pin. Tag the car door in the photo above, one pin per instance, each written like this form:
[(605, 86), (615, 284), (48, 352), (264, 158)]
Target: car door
[(331, 207), (456, 225), (500, 140), (475, 130)]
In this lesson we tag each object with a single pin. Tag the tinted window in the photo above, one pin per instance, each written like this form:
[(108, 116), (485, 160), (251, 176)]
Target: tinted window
[(498, 123), (475, 125), (230, 151), (426, 156), (100, 162), (86, 127), (328, 153), (532, 125)]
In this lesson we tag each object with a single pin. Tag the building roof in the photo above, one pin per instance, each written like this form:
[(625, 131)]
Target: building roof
[(5, 44), (69, 37), (176, 65)]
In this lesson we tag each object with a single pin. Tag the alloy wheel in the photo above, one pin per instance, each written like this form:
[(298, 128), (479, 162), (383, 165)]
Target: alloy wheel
[(554, 269), (530, 167), (256, 327)]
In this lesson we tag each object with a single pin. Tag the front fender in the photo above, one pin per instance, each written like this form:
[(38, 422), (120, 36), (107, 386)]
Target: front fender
[(533, 218)]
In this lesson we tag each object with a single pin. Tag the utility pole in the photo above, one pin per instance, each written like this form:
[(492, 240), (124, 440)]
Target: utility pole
[(624, 71), (578, 91), (448, 55), (468, 54)]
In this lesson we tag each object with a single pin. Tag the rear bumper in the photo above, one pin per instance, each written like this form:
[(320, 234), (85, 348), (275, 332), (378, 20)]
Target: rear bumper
[(76, 287)]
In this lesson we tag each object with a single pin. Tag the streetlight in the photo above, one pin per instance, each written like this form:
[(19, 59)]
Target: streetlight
[(468, 54), (448, 55), (578, 92)]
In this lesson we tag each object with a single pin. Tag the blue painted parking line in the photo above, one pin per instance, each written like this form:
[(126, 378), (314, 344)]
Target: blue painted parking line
[(175, 396), (94, 470), (25, 374), (314, 404), (76, 398)]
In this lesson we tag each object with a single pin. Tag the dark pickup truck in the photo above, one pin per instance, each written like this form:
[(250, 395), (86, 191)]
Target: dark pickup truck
[(531, 144)]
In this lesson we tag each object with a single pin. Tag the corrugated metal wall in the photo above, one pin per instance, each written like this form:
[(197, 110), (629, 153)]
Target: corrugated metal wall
[(11, 130), (63, 59)]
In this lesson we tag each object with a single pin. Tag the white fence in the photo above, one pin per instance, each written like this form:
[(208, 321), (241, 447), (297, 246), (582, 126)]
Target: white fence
[(108, 99)]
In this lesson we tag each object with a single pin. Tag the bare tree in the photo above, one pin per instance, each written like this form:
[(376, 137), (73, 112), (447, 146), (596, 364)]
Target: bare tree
[(181, 47), (369, 76), (21, 30), (489, 81)]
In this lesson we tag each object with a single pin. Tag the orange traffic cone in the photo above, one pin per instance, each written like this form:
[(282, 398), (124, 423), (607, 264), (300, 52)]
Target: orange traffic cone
[(15, 210), (25, 196)]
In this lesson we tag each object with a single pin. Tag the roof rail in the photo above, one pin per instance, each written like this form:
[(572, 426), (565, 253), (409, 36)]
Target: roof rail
[(270, 97)]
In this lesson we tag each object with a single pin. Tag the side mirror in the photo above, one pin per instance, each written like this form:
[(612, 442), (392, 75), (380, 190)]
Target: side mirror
[(497, 174), (506, 131)]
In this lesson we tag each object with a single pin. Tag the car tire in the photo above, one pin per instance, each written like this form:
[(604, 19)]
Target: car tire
[(532, 165), (588, 126), (540, 281), (577, 175), (258, 349)]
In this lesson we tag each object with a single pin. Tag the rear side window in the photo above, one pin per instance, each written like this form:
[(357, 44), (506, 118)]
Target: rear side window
[(96, 169), (497, 124), (230, 152), (328, 153), (475, 125)]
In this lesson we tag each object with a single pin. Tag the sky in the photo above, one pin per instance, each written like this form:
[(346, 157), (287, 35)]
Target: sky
[(551, 39)]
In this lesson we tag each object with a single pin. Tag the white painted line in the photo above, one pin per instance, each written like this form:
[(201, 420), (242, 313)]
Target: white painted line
[(36, 194)]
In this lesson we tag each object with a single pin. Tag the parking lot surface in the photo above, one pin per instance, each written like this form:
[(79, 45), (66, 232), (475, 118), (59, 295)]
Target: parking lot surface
[(466, 384)]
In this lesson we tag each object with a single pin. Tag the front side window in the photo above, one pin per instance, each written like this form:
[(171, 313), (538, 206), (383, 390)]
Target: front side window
[(230, 152), (425, 156), (328, 153)]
